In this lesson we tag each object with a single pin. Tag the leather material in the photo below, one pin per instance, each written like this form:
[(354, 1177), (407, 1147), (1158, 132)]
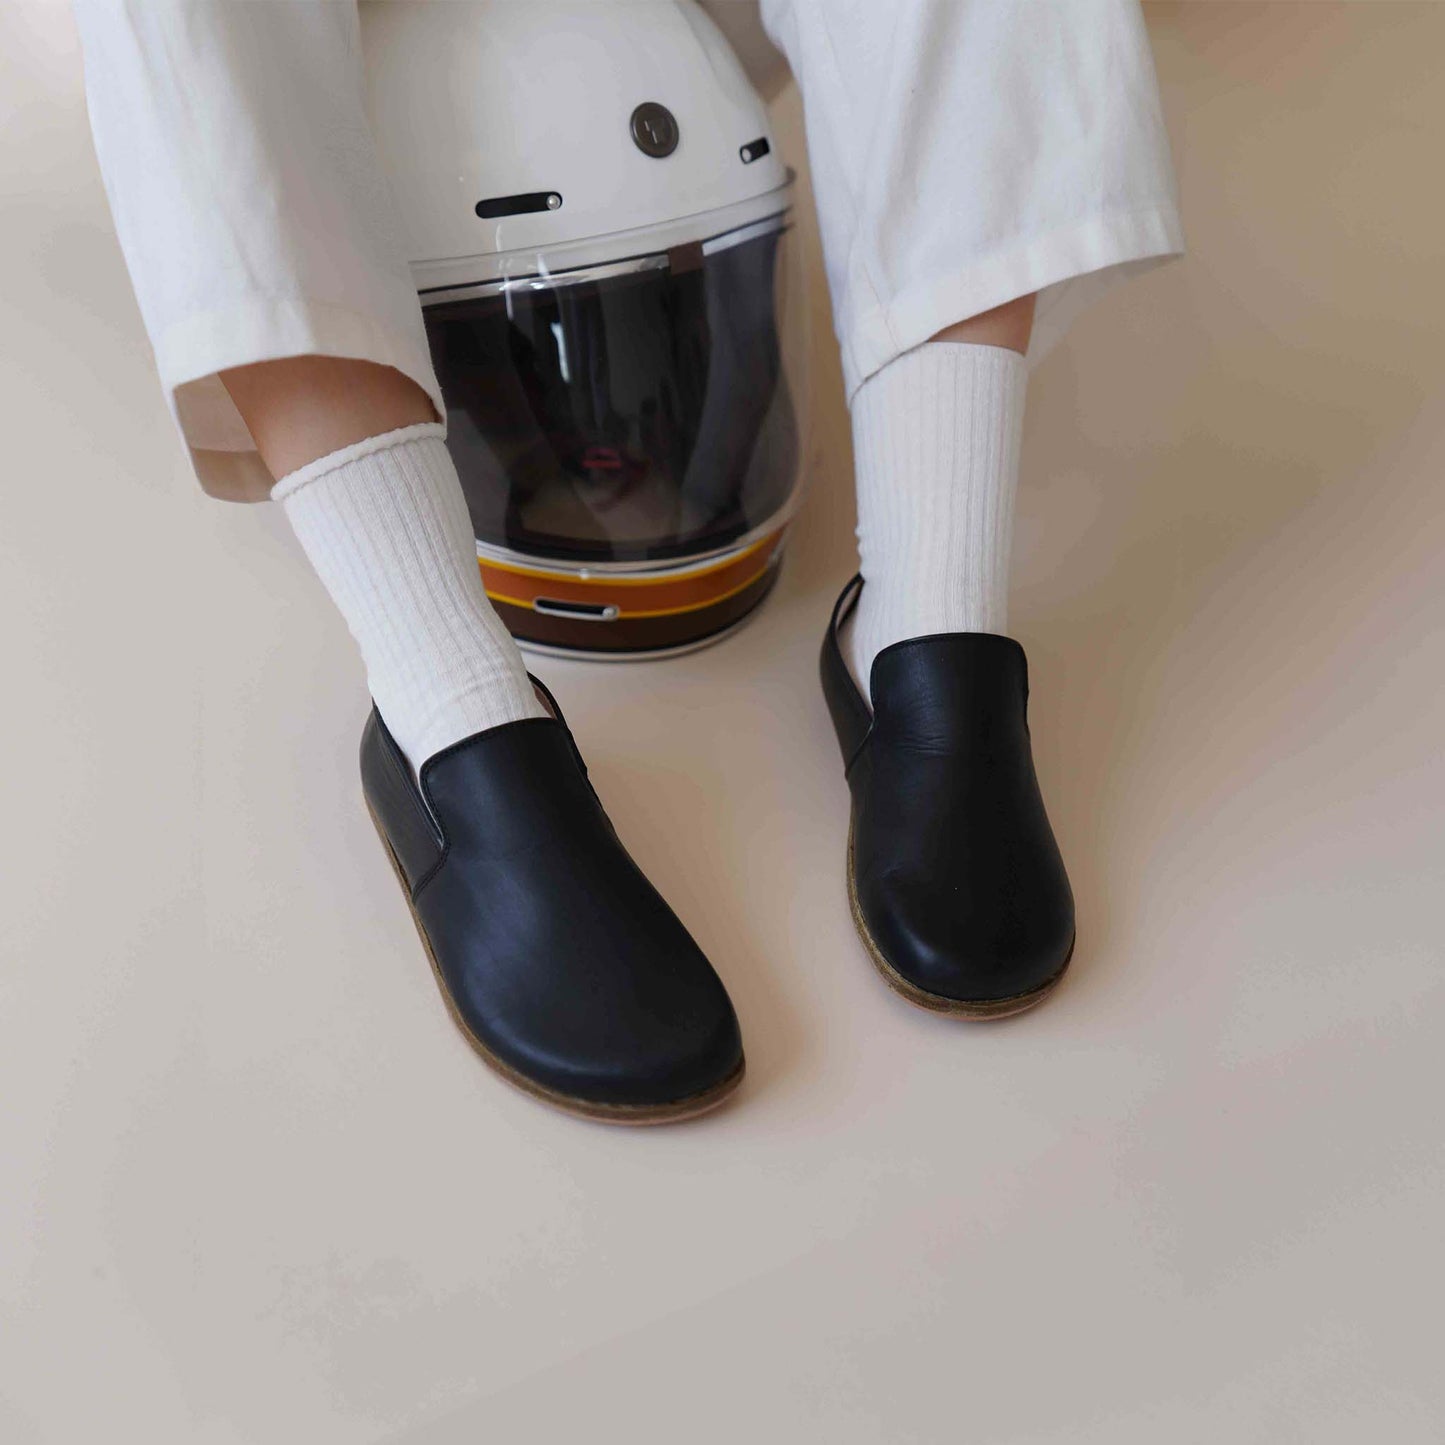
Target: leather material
[(386, 779), (851, 714), (557, 955), (956, 872)]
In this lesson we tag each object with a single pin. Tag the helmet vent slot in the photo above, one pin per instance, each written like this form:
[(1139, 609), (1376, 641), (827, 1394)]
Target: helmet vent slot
[(519, 205), (581, 611)]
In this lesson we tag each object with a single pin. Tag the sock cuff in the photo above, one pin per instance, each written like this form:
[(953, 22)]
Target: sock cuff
[(1001, 361), (936, 438), (292, 482)]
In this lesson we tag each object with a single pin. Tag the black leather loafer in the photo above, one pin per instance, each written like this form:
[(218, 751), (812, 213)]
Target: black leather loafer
[(954, 877), (559, 961)]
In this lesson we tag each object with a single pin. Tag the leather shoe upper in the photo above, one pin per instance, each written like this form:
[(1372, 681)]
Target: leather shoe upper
[(956, 871), (559, 956)]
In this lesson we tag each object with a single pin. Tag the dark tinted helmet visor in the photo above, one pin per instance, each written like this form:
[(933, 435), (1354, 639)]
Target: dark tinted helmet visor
[(632, 412)]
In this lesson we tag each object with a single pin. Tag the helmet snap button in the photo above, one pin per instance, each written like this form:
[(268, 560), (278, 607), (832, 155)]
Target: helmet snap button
[(654, 129)]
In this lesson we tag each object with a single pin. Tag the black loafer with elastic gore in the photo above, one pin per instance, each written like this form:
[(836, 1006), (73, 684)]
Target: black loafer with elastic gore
[(558, 960), (954, 878)]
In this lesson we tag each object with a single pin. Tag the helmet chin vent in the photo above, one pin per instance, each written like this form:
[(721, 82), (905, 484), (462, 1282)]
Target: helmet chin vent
[(519, 205), (581, 611)]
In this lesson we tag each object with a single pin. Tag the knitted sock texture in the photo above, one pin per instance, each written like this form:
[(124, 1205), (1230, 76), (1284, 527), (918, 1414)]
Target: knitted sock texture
[(936, 438), (385, 526)]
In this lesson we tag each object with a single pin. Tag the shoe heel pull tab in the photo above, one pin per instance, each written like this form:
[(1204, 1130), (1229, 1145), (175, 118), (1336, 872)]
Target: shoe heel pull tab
[(852, 716), (555, 708), (548, 701)]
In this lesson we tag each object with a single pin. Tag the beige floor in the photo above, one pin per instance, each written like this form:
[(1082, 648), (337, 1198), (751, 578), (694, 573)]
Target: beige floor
[(254, 1189)]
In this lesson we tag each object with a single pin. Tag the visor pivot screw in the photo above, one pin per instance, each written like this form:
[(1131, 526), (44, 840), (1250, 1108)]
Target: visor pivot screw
[(554, 201), (654, 129)]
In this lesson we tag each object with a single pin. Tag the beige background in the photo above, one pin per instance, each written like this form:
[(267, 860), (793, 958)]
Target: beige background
[(254, 1187)]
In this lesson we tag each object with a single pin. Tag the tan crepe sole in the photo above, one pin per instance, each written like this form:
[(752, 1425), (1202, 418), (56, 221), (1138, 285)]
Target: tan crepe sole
[(993, 1008), (686, 1108)]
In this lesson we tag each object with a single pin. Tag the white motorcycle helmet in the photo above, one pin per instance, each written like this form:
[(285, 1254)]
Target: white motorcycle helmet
[(598, 227)]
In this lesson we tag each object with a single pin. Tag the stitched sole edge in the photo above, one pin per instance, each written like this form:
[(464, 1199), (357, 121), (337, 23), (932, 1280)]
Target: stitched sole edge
[(980, 1010), (675, 1111)]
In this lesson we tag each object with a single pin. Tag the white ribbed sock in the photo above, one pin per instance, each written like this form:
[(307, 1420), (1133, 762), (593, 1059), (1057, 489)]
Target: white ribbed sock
[(936, 448), (385, 525)]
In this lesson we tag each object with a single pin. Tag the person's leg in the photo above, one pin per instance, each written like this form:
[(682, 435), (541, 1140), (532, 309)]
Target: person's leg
[(302, 408), (257, 225), (936, 453), (1010, 326), (971, 159), (958, 186), (966, 154), (372, 494)]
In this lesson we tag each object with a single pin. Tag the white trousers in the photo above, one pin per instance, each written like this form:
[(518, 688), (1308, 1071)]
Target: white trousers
[(963, 153)]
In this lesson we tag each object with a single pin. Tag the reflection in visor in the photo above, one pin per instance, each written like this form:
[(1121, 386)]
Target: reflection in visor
[(628, 418)]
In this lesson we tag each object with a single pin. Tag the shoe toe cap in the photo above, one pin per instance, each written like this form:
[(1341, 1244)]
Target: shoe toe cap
[(617, 1046), (956, 945)]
